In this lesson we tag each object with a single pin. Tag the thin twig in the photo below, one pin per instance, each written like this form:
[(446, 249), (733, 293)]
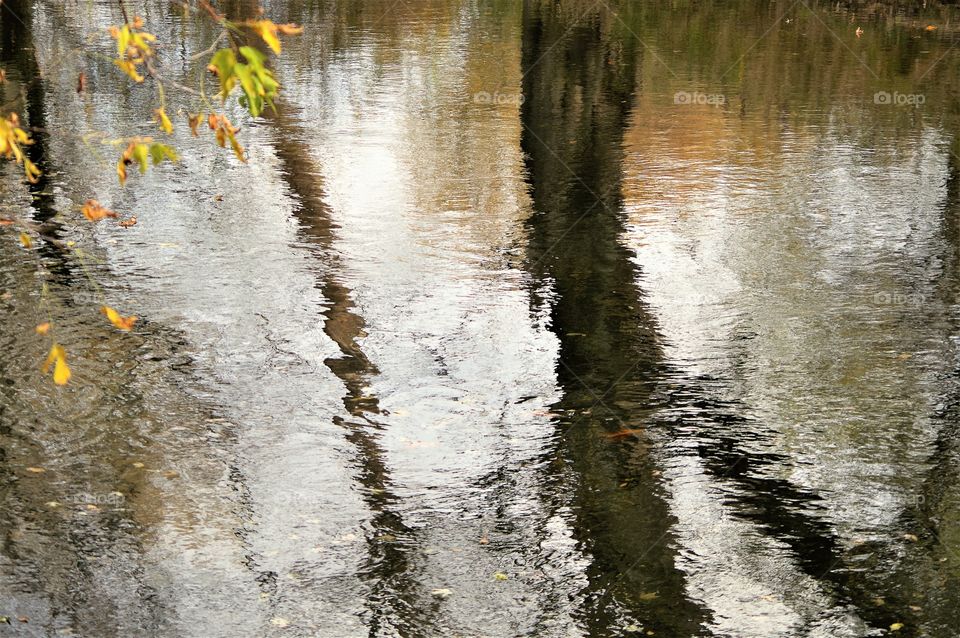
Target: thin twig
[(206, 52), (123, 10)]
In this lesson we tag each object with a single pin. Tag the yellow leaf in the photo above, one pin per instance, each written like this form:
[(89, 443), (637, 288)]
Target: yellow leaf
[(897, 626), (31, 171), (165, 125), (58, 358), (268, 31), (121, 322), (61, 372), (500, 576), (122, 36), (130, 69), (43, 328), (36, 470), (93, 211), (26, 241)]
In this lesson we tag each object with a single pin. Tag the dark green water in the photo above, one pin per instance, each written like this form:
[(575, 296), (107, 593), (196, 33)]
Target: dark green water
[(612, 319)]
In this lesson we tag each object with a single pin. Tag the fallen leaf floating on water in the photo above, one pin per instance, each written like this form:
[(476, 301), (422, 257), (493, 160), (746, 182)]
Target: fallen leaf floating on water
[(57, 358), (930, 27), (649, 595), (859, 32), (911, 537), (6, 222), (897, 626), (500, 576), (121, 322), (93, 211), (36, 470), (279, 622), (441, 593), (81, 82), (43, 328), (623, 434), (25, 240), (127, 223)]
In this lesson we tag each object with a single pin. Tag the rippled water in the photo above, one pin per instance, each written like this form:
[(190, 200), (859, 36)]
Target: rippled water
[(609, 318)]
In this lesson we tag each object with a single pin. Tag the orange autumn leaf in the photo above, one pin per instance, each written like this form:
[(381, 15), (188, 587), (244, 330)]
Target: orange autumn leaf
[(119, 321), (127, 223), (93, 211), (57, 358), (194, 121), (290, 29), (43, 328), (225, 132)]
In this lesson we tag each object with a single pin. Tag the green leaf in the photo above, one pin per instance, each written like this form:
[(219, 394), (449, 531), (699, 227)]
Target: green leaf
[(140, 154), (250, 87), (253, 57), (160, 151), (224, 61)]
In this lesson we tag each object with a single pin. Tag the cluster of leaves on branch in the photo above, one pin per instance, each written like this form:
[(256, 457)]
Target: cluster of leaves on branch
[(12, 140), (236, 65), (142, 150), (133, 48)]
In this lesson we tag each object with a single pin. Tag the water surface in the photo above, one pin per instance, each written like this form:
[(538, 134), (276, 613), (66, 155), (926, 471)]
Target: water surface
[(609, 318)]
